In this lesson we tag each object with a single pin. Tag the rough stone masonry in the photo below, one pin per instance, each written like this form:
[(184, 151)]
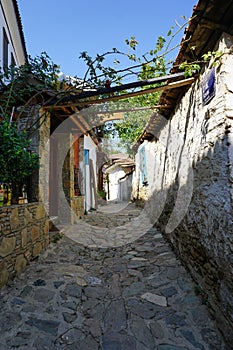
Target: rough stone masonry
[(24, 234), (190, 174)]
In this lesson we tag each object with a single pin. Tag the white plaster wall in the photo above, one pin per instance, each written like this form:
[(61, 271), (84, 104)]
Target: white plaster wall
[(190, 185), (193, 133), (90, 145), (125, 190), (114, 187)]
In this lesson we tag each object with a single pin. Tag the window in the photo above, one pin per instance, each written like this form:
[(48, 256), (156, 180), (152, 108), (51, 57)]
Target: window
[(5, 49)]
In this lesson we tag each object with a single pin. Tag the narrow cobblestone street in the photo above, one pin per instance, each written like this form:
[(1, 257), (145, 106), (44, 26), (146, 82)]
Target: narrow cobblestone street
[(133, 297)]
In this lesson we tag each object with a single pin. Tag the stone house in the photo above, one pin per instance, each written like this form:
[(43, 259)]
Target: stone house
[(184, 170), (24, 229), (13, 51), (59, 192), (65, 183), (71, 179)]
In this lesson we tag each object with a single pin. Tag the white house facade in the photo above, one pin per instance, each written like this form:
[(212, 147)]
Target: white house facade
[(12, 47)]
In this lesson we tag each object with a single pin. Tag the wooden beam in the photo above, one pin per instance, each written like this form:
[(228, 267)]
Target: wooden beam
[(173, 85), (125, 110), (111, 90), (177, 84), (110, 116)]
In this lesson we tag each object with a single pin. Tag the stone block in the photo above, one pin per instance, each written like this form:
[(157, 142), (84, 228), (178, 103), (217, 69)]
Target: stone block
[(2, 214), (37, 249), (4, 275), (20, 263), (24, 238), (14, 219), (28, 255), (46, 227), (155, 299), (5, 230), (7, 246), (28, 215), (35, 233), (40, 212)]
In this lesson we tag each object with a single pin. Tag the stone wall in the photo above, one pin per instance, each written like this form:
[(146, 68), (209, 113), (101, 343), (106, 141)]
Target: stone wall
[(189, 192), (69, 205), (77, 206), (24, 233)]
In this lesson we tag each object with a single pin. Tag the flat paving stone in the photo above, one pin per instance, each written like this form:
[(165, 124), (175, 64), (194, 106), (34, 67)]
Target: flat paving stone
[(118, 341), (127, 293), (142, 333), (46, 326), (155, 299), (115, 316)]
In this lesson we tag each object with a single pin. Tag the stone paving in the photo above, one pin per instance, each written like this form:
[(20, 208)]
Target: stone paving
[(131, 297)]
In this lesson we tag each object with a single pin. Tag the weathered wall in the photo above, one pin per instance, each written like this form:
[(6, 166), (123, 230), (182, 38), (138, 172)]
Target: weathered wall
[(190, 187), (69, 205), (24, 233), (125, 188), (114, 186)]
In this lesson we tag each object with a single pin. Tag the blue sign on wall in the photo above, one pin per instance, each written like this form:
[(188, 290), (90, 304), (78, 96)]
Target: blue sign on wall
[(208, 87)]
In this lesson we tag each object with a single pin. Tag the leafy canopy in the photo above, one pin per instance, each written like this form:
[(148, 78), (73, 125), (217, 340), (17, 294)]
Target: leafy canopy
[(18, 86), (16, 161), (151, 64)]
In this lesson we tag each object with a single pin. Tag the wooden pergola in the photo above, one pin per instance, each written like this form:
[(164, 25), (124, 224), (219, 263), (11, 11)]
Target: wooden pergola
[(80, 106)]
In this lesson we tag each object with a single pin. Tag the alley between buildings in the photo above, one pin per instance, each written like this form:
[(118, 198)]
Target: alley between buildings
[(135, 296)]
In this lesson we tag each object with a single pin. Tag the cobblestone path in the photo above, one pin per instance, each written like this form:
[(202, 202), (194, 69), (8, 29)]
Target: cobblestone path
[(133, 297)]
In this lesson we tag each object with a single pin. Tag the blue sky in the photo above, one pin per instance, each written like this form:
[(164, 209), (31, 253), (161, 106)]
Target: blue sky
[(64, 28)]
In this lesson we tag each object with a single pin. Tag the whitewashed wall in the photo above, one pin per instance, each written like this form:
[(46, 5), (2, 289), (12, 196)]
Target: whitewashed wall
[(189, 192), (114, 187), (125, 188), (8, 20), (88, 191)]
